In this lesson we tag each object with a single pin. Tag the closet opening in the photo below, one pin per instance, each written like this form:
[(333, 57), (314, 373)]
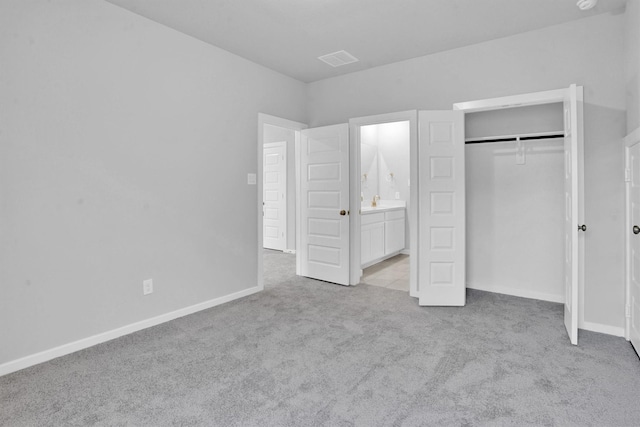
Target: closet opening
[(515, 201)]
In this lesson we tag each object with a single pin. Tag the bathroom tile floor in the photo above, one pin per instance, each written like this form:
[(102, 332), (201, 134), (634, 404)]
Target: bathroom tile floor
[(392, 273)]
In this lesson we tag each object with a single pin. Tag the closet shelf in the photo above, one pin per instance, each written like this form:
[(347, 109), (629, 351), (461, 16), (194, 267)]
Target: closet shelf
[(513, 138)]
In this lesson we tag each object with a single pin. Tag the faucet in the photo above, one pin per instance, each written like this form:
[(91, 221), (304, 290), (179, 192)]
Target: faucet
[(374, 202)]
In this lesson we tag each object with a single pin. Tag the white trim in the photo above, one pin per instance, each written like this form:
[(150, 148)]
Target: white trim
[(627, 240), (296, 155), (44, 356), (289, 251), (633, 138), (522, 293), (354, 135), (526, 99), (287, 124), (603, 329), (406, 252)]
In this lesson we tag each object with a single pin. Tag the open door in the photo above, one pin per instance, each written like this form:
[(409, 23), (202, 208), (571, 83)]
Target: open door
[(574, 208), (324, 204), (633, 245), (442, 276)]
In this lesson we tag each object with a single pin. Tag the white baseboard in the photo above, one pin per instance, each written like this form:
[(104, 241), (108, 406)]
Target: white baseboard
[(289, 251), (405, 252), (603, 329), (43, 356), (518, 292)]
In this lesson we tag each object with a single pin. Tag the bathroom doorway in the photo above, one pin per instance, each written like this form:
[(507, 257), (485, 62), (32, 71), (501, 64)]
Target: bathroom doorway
[(384, 232)]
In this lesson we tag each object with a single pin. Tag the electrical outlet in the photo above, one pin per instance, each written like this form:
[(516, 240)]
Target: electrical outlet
[(397, 195), (147, 287)]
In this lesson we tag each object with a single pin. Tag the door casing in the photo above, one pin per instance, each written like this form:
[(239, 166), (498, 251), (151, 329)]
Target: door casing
[(538, 98), (354, 188)]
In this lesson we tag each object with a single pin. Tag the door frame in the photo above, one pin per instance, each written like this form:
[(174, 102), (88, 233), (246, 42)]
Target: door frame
[(629, 141), (266, 119), (285, 159), (354, 188), (530, 99)]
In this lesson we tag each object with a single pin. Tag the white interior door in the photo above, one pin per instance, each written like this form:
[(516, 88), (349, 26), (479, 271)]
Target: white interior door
[(324, 204), (441, 273), (274, 199), (634, 241), (574, 209)]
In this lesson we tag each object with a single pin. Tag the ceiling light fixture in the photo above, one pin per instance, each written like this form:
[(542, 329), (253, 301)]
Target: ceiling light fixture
[(586, 4)]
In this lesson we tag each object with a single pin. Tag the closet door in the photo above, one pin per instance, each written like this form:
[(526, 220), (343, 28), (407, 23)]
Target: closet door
[(574, 209), (441, 242)]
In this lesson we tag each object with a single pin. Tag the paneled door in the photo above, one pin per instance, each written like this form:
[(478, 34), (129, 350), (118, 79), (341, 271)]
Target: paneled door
[(441, 273), (274, 200), (634, 246), (324, 204), (574, 208)]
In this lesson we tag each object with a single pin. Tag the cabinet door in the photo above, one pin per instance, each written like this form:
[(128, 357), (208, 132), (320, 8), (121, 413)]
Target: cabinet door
[(372, 242), (377, 240), (394, 236)]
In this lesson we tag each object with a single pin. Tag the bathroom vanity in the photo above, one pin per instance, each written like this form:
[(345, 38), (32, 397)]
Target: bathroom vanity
[(382, 233)]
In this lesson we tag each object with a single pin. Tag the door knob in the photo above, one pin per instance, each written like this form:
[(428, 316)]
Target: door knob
[(343, 212), (582, 227), (636, 229)]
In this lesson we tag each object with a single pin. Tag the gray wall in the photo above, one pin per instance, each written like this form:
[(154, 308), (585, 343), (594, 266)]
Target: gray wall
[(632, 49), (124, 146), (588, 52)]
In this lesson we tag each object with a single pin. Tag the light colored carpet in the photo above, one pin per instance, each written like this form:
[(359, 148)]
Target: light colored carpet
[(307, 353)]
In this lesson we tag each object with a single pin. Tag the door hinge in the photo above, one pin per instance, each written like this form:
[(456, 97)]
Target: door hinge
[(627, 175), (627, 311)]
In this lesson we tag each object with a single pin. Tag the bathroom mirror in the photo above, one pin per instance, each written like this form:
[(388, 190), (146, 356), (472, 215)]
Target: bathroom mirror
[(384, 157)]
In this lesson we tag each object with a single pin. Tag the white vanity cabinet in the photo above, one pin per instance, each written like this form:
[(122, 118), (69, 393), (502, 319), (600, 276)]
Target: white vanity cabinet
[(382, 234)]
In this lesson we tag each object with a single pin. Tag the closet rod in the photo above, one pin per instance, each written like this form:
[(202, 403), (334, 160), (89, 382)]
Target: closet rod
[(512, 138)]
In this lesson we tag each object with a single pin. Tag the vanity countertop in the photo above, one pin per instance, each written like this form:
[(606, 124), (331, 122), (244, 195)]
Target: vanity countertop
[(368, 209)]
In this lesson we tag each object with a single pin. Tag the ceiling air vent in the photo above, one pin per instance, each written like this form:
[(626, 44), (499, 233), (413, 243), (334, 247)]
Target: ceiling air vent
[(337, 59)]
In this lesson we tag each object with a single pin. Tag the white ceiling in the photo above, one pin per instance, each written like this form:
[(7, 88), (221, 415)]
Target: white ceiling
[(289, 35)]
